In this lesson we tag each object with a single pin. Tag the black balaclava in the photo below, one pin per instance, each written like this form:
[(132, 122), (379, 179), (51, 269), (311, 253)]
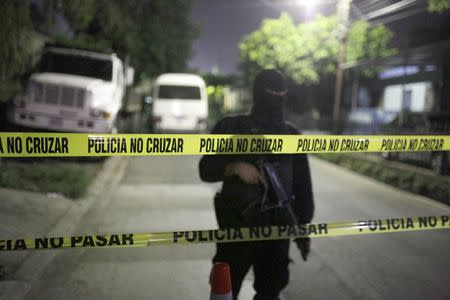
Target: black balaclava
[(269, 97)]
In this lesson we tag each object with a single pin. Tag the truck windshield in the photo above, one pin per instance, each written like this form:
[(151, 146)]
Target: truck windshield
[(77, 65), (179, 92)]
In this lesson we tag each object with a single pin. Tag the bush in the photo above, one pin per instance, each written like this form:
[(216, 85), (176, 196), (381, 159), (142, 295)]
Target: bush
[(70, 179), (419, 186)]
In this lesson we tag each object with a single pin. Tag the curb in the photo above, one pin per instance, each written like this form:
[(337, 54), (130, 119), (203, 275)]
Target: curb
[(19, 283)]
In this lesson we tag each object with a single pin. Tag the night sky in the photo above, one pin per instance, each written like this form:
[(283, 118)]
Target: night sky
[(224, 23)]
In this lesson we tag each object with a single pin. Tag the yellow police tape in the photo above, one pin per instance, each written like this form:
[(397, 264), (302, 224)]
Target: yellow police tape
[(86, 144), (227, 235)]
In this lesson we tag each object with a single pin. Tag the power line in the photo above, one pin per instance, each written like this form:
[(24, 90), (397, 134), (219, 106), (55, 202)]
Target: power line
[(390, 9), (399, 16), (373, 5), (386, 11), (405, 10)]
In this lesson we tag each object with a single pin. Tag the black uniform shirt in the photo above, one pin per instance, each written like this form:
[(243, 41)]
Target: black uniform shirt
[(293, 169)]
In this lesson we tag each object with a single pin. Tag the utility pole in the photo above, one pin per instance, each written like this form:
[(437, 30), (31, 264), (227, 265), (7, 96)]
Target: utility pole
[(343, 14)]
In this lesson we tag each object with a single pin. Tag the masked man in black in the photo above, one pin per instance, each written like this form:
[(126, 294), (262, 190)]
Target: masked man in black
[(246, 188)]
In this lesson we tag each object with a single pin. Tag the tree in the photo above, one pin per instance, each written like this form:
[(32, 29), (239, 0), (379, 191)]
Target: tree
[(219, 79), (14, 31), (308, 51), (216, 85), (161, 35), (80, 13), (438, 5), (156, 35)]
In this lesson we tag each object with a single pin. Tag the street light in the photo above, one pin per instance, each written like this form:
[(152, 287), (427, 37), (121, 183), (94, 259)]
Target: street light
[(309, 6), (307, 3)]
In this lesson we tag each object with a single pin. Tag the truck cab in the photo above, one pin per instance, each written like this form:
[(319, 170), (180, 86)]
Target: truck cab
[(73, 91)]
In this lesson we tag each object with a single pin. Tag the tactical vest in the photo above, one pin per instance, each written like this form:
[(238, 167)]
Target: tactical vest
[(238, 203)]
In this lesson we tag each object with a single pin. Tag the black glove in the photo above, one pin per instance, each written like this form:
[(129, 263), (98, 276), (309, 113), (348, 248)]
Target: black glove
[(304, 245)]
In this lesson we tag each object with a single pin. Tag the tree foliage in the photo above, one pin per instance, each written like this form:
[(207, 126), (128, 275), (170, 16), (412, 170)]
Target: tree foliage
[(161, 35), (156, 35), (307, 51), (219, 79), (438, 5), (79, 13), (14, 23)]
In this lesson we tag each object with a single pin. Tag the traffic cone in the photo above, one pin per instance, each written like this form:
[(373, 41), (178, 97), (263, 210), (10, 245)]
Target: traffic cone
[(221, 282)]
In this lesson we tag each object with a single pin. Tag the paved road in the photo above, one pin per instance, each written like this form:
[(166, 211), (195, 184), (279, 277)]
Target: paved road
[(158, 194)]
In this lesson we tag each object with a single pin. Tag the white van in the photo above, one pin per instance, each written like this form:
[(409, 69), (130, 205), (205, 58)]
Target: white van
[(180, 103)]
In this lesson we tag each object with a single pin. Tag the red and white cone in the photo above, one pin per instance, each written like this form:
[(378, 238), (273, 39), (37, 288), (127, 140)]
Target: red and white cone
[(221, 282)]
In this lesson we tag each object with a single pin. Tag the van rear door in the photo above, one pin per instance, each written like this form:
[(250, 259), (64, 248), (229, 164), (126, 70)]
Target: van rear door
[(180, 107)]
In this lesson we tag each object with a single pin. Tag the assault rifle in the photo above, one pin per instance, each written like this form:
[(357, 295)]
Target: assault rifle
[(281, 199), (273, 179)]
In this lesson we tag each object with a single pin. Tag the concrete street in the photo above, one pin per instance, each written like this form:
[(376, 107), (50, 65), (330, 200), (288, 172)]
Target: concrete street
[(163, 194)]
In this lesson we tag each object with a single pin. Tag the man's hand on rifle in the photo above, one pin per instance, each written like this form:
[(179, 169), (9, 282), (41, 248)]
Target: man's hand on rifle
[(304, 245), (245, 171)]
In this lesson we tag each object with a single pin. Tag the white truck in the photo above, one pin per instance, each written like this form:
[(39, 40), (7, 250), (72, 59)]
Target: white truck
[(74, 91)]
